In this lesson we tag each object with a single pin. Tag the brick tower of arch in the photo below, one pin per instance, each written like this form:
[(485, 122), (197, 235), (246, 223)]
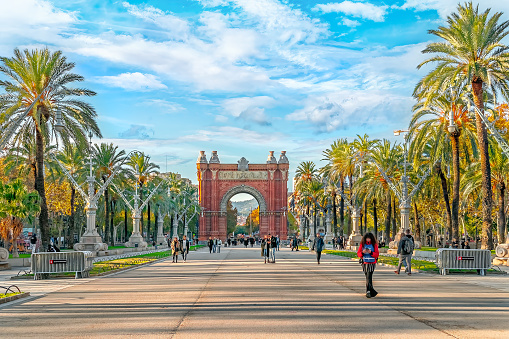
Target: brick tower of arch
[(267, 183)]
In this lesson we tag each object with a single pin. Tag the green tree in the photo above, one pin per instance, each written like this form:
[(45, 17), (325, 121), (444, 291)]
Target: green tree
[(107, 158), (471, 53), (16, 206), (430, 134), (40, 72)]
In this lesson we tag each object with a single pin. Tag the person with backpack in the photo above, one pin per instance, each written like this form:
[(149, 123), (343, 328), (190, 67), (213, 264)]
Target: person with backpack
[(318, 245), (405, 251)]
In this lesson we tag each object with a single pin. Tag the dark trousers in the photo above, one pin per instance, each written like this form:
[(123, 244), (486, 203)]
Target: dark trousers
[(210, 249), (184, 255), (175, 257), (368, 271), (318, 255)]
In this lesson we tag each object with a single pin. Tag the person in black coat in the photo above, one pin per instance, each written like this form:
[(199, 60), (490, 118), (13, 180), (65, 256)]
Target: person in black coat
[(318, 247), (211, 244)]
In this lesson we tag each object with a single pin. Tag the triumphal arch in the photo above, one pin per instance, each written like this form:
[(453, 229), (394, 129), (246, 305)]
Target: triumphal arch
[(267, 183)]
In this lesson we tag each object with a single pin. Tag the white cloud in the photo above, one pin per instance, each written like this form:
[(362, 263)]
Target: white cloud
[(137, 132), (352, 108), (167, 106), (249, 108), (176, 27), (356, 9), (37, 21), (133, 81), (446, 7), (350, 23)]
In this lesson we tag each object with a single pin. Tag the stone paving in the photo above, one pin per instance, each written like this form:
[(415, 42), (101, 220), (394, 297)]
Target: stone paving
[(234, 294)]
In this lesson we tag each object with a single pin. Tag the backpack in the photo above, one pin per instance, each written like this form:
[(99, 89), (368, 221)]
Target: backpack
[(408, 246)]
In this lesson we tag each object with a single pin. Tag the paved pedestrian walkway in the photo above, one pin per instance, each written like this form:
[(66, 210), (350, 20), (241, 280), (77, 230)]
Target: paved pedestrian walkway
[(234, 294)]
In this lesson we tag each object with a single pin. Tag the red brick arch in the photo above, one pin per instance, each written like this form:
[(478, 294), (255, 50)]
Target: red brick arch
[(267, 183)]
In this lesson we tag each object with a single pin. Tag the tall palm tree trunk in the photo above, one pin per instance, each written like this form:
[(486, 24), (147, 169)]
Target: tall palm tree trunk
[(501, 232), (394, 227), (112, 228), (375, 219), (482, 138), (388, 216), (106, 214), (39, 186), (125, 224), (342, 208), (334, 214), (445, 192), (70, 240), (148, 222), (455, 184), (416, 223), (366, 215)]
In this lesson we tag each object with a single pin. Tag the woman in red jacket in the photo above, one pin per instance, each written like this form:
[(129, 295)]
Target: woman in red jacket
[(368, 251)]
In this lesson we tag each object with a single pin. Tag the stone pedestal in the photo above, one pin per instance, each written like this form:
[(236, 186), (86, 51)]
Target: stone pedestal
[(502, 255), (355, 238), (91, 240), (329, 236), (4, 255), (160, 240), (136, 240)]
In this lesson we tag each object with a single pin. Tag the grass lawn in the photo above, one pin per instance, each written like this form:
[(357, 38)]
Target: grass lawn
[(23, 255), (417, 264), (115, 247), (2, 295)]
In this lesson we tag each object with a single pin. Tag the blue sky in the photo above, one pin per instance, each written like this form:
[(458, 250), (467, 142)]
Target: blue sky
[(242, 77)]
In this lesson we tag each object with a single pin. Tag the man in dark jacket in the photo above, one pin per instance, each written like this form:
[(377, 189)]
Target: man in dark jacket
[(184, 245), (318, 247), (211, 244), (273, 245), (405, 251)]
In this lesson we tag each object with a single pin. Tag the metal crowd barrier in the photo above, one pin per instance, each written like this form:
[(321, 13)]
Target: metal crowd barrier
[(79, 262), (463, 259)]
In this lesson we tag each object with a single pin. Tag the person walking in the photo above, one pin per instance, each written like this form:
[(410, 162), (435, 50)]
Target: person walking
[(219, 244), (175, 249), (184, 245), (273, 246), (214, 246), (211, 244), (278, 242), (405, 251), (318, 247), (295, 243), (264, 245), (368, 252)]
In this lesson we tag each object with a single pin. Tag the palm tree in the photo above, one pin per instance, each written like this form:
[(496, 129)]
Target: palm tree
[(430, 136), (107, 158), (16, 205), (72, 158), (40, 72), (387, 156), (472, 182), (21, 158), (336, 174), (143, 170), (472, 54)]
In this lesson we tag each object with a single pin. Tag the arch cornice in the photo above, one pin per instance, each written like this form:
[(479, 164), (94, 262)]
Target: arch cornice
[(243, 189)]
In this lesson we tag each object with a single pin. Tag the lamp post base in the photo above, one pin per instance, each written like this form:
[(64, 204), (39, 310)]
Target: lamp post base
[(136, 240), (91, 243), (354, 241)]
